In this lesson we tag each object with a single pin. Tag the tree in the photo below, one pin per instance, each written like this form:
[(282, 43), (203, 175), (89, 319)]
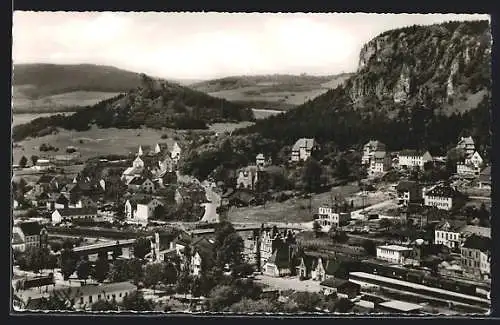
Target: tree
[(228, 246), (342, 169), (55, 302), (136, 302), (311, 175), (343, 305), (153, 273), (142, 247), (385, 223), (104, 305), (117, 251), (222, 297), (316, 228), (36, 258), (170, 273), (101, 268), (370, 247), (68, 261), (159, 212), (307, 301), (83, 269), (247, 305), (338, 236), (34, 159), (23, 161)]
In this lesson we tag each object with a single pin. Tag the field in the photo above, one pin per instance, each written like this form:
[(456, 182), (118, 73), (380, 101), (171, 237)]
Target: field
[(228, 127), (94, 142), (285, 93), (297, 209), (53, 103), (21, 118)]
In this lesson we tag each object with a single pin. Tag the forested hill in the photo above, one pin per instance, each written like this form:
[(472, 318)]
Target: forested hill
[(39, 80), (155, 104), (420, 86)]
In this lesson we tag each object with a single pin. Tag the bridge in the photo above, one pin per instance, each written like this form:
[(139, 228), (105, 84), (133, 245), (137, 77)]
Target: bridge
[(248, 227)]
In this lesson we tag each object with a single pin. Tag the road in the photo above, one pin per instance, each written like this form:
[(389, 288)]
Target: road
[(482, 198), (214, 199), (358, 214)]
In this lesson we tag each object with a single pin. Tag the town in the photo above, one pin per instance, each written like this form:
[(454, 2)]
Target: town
[(134, 233)]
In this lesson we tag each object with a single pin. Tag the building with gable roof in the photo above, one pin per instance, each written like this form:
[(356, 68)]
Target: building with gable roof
[(413, 158), (409, 192), (369, 149), (141, 184), (140, 209), (303, 149), (28, 234), (448, 233), (441, 196), (476, 256), (380, 162), (467, 145), (60, 215), (484, 181)]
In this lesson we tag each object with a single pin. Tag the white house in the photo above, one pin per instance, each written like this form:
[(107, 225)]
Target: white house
[(140, 211), (328, 217), (467, 145), (471, 165), (369, 149), (380, 162), (85, 296), (474, 159), (302, 149), (441, 197), (413, 158), (136, 169), (247, 177), (393, 253), (448, 234), (27, 235), (141, 184), (175, 153)]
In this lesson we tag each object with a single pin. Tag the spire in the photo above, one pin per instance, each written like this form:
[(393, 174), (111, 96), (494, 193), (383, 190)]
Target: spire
[(139, 152)]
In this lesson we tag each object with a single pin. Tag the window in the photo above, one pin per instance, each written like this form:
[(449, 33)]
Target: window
[(114, 296), (99, 297), (90, 299), (81, 300), (120, 295)]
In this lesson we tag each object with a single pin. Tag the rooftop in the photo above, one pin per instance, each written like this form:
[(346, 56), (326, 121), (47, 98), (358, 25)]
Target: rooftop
[(30, 228), (77, 211), (375, 145), (474, 241), (478, 230), (406, 185), (412, 153), (401, 305), (307, 143), (395, 248), (442, 191)]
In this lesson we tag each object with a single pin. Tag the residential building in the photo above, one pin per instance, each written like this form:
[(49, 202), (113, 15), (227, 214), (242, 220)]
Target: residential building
[(468, 230), (141, 184), (467, 169), (247, 177), (279, 262), (331, 217), (323, 267), (369, 149), (394, 253), (342, 288), (476, 256), (303, 149), (28, 234), (409, 192), (136, 169), (380, 162), (413, 158), (260, 160), (484, 181), (304, 267), (175, 153), (140, 210), (467, 145), (60, 215), (475, 159), (448, 233), (202, 255), (441, 196)]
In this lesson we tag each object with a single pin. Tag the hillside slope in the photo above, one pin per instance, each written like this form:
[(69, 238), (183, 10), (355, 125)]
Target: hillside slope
[(280, 92), (419, 86), (155, 103)]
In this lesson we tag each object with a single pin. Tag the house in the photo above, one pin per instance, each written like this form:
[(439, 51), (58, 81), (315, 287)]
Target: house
[(443, 197), (304, 266), (318, 272), (323, 267), (43, 164), (448, 233), (140, 210), (175, 153), (408, 192), (136, 169), (484, 181), (141, 184), (399, 307), (413, 158), (394, 253), (279, 263), (476, 256), (27, 235), (303, 148), (247, 177), (343, 288), (467, 169), (380, 162), (202, 255), (331, 217), (60, 215), (467, 145), (369, 149), (260, 160), (84, 296), (475, 159)]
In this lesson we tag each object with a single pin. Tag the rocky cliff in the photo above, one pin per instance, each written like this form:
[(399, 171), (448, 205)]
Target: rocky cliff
[(447, 66)]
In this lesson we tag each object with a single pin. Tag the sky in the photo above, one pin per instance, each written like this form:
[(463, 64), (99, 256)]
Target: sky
[(206, 45)]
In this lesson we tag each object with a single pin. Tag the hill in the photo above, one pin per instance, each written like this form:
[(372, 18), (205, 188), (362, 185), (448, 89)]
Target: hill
[(40, 87), (155, 103), (419, 86), (280, 92)]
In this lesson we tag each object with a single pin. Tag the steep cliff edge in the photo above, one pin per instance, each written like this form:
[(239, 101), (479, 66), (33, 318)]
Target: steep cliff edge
[(440, 66)]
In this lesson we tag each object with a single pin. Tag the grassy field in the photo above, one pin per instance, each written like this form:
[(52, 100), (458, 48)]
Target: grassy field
[(297, 209), (228, 127), (287, 94), (95, 141), (22, 103), (21, 118)]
